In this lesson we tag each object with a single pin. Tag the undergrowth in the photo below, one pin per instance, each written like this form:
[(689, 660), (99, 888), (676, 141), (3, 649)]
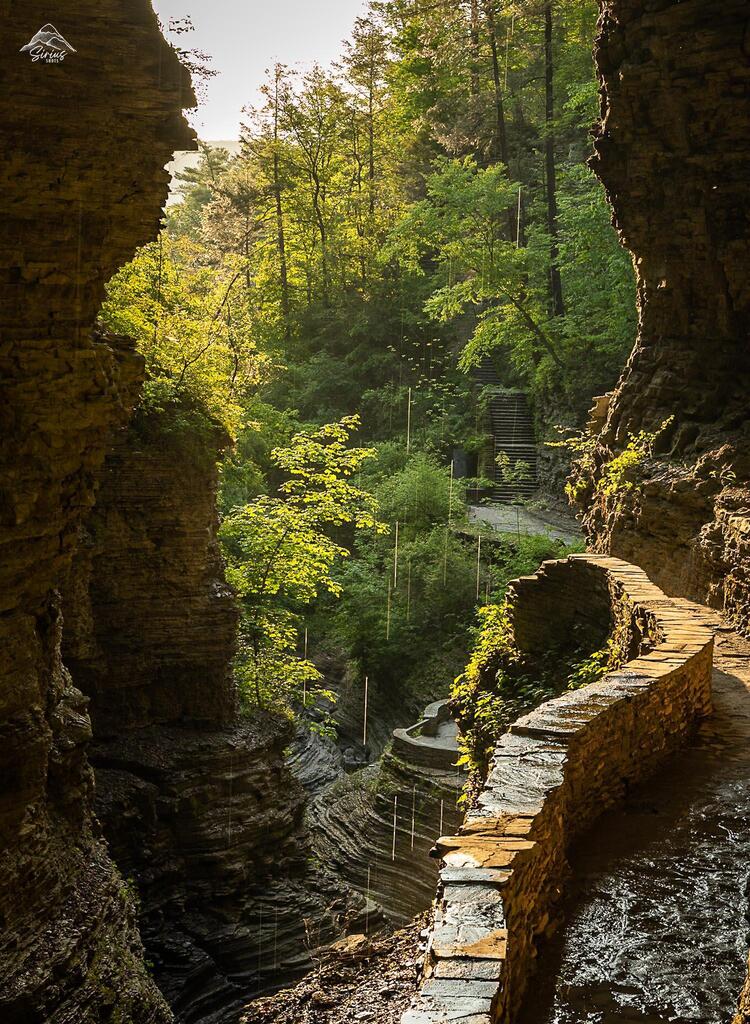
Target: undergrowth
[(500, 685)]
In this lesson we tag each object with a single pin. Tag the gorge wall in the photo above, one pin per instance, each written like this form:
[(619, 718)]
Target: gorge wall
[(150, 623), (673, 151), (82, 185), (196, 802)]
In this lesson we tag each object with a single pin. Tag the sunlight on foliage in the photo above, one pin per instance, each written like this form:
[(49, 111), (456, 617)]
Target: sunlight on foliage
[(190, 322), (281, 557)]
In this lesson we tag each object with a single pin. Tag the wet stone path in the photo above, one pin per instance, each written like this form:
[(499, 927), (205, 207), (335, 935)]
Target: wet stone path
[(657, 909)]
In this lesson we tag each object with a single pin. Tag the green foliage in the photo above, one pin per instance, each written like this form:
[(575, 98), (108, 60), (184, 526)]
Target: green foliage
[(420, 495), (614, 478), (493, 690), (190, 322), (249, 469), (512, 472), (521, 556), (590, 669), (582, 448), (623, 472), (363, 253), (613, 655), (390, 628), (460, 231), (472, 79), (281, 555)]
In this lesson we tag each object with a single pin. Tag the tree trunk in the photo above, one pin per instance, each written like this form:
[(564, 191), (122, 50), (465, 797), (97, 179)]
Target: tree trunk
[(556, 294), (500, 148), (371, 127), (280, 230), (320, 220), (474, 33), (359, 216)]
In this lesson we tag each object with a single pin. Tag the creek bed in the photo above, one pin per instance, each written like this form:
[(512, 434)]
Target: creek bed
[(656, 913)]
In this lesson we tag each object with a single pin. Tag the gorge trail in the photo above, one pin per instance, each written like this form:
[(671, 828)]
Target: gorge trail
[(270, 390)]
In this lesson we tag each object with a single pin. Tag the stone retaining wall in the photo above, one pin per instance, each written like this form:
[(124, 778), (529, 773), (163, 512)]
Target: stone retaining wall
[(420, 744), (552, 774)]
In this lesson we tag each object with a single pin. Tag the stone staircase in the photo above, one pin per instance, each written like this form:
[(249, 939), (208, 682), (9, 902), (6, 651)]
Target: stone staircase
[(512, 429)]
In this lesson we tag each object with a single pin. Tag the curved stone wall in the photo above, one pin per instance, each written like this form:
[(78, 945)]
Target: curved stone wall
[(551, 776), (428, 742)]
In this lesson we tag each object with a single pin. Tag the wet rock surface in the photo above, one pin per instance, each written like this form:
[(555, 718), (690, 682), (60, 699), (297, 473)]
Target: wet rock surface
[(658, 904)]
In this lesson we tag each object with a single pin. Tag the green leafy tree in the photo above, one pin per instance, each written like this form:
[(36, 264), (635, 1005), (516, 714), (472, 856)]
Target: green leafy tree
[(282, 550), (191, 323), (389, 224)]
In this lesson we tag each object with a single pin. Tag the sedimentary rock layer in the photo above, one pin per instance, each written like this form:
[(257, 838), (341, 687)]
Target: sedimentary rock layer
[(81, 185), (196, 801), (673, 151), (150, 623), (552, 774), (352, 831)]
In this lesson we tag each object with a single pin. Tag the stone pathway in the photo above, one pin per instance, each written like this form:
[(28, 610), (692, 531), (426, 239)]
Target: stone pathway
[(657, 914), (511, 518)]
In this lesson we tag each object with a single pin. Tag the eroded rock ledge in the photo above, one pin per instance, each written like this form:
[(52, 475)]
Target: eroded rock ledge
[(82, 184), (552, 774)]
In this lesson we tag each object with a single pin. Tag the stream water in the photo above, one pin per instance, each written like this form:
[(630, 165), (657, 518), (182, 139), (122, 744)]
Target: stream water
[(657, 912)]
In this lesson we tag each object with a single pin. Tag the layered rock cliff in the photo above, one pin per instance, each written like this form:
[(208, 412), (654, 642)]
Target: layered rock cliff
[(81, 186), (673, 151), (195, 800), (150, 623), (376, 829)]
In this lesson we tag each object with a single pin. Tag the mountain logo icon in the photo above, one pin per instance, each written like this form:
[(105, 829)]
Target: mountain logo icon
[(48, 46)]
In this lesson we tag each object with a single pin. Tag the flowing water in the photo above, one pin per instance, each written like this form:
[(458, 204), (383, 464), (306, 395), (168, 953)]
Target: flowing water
[(657, 909)]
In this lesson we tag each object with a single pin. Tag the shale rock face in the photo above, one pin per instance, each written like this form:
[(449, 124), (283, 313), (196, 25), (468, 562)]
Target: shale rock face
[(196, 802), (352, 829), (673, 151), (150, 623), (81, 185)]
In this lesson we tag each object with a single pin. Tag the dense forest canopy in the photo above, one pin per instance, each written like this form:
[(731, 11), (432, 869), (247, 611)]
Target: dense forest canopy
[(390, 224)]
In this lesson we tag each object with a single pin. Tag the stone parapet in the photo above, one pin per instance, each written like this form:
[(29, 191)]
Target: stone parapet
[(553, 773), (424, 743)]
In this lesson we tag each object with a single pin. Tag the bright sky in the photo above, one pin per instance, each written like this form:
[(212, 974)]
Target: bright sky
[(245, 37)]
